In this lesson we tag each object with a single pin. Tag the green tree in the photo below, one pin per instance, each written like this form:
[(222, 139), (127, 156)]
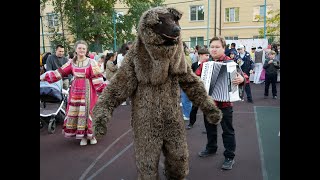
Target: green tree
[(136, 8), (92, 21), (272, 25), (57, 37), (130, 20)]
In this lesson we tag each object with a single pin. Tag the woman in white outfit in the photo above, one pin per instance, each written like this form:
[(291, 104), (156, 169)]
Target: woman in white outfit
[(259, 59)]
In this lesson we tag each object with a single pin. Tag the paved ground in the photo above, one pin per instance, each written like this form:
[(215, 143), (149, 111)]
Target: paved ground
[(257, 153)]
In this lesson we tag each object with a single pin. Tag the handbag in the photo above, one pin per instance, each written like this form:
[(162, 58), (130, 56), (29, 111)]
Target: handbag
[(263, 75)]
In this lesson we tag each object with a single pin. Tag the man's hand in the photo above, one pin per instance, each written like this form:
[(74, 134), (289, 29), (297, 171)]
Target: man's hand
[(238, 80)]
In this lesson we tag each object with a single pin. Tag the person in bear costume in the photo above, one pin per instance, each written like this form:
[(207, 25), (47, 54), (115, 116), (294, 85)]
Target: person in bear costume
[(152, 74)]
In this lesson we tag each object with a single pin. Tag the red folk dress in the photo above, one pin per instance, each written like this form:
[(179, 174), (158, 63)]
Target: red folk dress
[(88, 80)]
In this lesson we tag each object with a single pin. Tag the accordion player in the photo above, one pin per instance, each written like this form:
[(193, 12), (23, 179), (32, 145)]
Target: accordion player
[(217, 78)]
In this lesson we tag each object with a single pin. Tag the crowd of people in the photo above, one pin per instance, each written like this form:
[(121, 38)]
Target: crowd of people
[(86, 74), (261, 64)]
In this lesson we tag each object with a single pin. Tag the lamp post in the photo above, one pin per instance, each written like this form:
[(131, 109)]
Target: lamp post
[(215, 18), (114, 31), (62, 25), (220, 19), (265, 19), (44, 48), (208, 23)]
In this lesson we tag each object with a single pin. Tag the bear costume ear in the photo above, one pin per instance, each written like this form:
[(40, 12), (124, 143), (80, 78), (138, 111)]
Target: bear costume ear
[(150, 18), (175, 12)]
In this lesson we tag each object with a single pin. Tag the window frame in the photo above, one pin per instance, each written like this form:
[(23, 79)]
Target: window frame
[(236, 14), (118, 14), (196, 41), (53, 19), (197, 12), (231, 37), (261, 10)]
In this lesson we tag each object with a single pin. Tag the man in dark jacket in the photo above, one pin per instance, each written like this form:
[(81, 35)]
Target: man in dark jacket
[(55, 61)]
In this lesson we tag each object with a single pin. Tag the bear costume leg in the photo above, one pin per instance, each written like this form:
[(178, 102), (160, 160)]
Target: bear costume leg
[(176, 155), (147, 158), (175, 151)]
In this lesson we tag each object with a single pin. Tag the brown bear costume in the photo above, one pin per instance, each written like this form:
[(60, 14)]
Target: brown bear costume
[(152, 74)]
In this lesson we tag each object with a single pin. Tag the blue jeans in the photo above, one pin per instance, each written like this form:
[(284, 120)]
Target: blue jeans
[(186, 104)]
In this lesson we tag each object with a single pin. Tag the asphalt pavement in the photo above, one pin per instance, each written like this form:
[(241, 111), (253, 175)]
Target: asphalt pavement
[(112, 158)]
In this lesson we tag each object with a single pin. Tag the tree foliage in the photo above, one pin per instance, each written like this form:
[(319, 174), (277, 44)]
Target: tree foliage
[(272, 25), (130, 20), (92, 21), (136, 8)]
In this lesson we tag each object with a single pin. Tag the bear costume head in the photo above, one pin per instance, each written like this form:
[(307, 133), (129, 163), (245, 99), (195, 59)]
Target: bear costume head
[(160, 34), (160, 26)]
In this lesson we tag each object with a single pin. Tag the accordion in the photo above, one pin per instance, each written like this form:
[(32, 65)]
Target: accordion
[(217, 78)]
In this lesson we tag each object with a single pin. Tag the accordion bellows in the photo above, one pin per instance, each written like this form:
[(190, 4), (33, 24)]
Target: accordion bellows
[(217, 78)]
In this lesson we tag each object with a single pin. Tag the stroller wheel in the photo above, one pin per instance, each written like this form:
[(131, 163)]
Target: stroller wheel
[(52, 126), (41, 125), (60, 117)]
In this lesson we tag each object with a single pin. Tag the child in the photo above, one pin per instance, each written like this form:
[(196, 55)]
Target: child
[(271, 65), (203, 57)]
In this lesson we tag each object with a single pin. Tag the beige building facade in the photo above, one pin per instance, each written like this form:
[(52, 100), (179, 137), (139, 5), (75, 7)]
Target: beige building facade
[(232, 19), (201, 20)]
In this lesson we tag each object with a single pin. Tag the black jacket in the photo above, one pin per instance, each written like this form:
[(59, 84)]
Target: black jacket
[(248, 64), (194, 66), (271, 68)]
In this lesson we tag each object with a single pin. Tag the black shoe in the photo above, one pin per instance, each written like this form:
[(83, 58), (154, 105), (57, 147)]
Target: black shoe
[(265, 97), (204, 132), (250, 101), (275, 97), (206, 153), (189, 127), (227, 164)]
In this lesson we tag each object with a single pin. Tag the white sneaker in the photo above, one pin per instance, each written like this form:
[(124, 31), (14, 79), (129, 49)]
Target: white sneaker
[(83, 142), (124, 103), (181, 104), (93, 141), (186, 118)]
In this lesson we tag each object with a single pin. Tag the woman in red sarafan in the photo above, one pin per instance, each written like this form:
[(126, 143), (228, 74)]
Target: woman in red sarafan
[(83, 93)]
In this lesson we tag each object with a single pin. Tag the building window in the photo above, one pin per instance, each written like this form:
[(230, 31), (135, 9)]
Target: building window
[(52, 19), (231, 38), (196, 41), (261, 11), (196, 13), (258, 13), (119, 16), (232, 14)]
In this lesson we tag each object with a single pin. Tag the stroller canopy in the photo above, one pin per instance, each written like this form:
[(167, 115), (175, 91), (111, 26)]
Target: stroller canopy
[(53, 90)]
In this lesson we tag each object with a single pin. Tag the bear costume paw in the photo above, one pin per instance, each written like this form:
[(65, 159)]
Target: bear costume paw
[(214, 116), (100, 121)]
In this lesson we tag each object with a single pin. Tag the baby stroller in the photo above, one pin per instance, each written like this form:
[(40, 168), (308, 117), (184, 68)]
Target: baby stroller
[(53, 101)]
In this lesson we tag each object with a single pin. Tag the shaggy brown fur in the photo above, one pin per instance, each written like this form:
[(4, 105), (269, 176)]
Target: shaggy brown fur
[(151, 75)]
